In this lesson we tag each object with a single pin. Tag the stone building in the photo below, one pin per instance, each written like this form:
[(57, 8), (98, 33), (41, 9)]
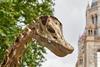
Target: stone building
[(89, 42)]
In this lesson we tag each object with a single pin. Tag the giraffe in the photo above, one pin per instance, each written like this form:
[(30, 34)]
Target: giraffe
[(48, 31)]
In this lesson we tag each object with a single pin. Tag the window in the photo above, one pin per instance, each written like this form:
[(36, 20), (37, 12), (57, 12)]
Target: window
[(98, 59), (95, 32), (81, 61), (90, 32), (94, 19)]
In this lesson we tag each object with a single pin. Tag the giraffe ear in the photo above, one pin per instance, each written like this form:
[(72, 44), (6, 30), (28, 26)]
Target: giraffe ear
[(44, 19)]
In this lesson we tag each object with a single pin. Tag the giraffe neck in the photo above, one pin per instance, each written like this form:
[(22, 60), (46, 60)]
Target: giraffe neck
[(16, 51)]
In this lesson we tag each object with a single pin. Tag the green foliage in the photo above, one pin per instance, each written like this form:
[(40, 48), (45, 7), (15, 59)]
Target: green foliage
[(36, 56), (10, 12)]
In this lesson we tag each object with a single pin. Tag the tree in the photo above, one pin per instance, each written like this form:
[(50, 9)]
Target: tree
[(14, 15)]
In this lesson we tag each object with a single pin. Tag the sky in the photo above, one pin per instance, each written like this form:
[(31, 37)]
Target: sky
[(71, 13), (98, 60)]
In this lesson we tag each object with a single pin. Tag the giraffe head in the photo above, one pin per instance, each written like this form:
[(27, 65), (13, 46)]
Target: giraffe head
[(50, 35)]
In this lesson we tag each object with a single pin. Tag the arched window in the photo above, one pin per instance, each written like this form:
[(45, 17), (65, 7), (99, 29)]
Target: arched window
[(95, 19), (92, 19), (90, 32), (95, 32), (81, 60)]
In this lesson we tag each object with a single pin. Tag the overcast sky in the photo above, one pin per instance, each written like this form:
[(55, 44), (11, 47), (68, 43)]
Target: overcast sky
[(72, 14)]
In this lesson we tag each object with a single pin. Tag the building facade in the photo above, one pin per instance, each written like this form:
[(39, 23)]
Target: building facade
[(89, 42)]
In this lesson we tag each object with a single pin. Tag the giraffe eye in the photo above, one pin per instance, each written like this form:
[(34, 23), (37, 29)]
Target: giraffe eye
[(50, 29)]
